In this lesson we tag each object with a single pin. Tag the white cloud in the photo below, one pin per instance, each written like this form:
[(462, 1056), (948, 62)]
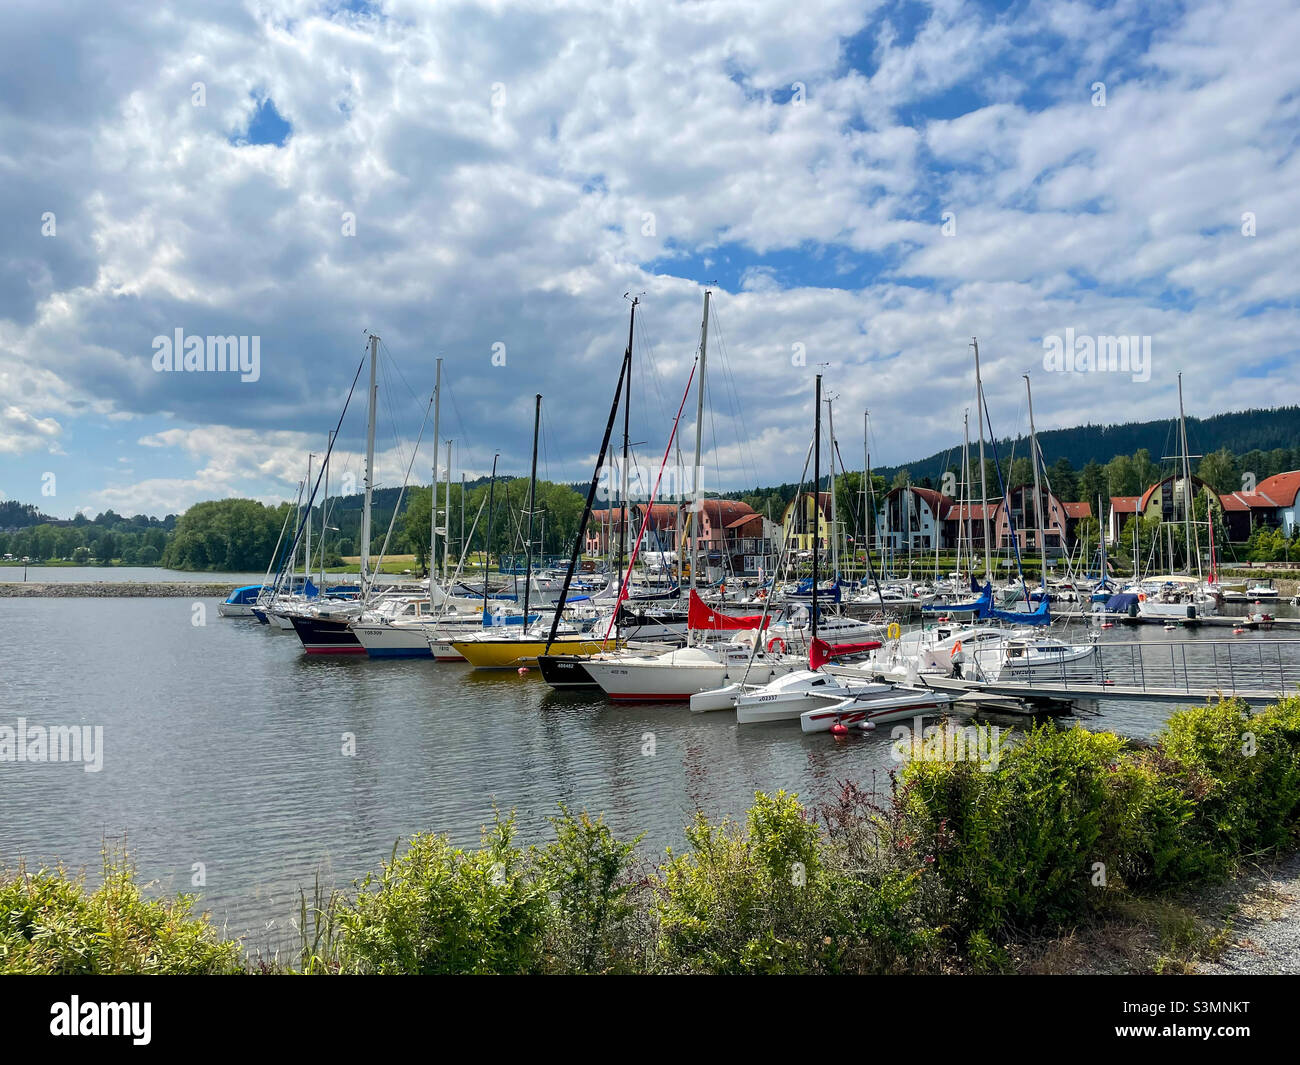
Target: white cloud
[(629, 135)]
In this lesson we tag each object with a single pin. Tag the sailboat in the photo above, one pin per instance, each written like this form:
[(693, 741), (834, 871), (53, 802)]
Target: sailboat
[(677, 674), (499, 651), (327, 629), (1180, 597)]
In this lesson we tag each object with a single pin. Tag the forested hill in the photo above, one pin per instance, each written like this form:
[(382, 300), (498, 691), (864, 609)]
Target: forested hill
[(1239, 431)]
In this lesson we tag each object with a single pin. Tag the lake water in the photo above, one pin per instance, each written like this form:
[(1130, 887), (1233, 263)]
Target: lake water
[(223, 745)]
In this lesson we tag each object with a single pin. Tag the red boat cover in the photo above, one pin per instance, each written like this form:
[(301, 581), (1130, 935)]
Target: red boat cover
[(702, 616), (822, 652)]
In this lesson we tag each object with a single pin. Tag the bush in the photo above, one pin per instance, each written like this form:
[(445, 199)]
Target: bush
[(1019, 843), (1244, 773), (745, 900), (589, 876), (50, 924), (440, 909)]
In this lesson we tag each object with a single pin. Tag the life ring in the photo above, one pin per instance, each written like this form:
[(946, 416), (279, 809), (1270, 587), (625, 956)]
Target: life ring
[(894, 631), (773, 642), (1142, 597)]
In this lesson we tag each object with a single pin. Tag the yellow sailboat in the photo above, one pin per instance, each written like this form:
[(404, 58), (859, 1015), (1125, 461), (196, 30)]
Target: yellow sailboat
[(490, 651)]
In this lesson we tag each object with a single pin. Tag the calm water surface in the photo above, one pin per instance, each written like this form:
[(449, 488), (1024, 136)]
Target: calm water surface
[(222, 745)]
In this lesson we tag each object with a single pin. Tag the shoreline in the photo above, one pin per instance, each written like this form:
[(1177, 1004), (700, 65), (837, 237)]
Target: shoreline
[(114, 590)]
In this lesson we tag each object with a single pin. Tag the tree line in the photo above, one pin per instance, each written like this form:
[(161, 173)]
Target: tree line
[(239, 535)]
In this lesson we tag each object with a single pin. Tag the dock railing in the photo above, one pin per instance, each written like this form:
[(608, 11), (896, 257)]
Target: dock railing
[(1193, 667)]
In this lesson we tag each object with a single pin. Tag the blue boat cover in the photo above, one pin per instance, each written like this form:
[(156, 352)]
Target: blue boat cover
[(1040, 615)]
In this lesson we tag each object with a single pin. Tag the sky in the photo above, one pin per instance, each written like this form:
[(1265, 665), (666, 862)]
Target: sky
[(863, 186)]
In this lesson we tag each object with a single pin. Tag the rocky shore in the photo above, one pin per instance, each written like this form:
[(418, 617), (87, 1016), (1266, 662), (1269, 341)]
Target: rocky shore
[(113, 590)]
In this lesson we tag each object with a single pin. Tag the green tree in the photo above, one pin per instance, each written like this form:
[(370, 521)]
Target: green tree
[(1219, 470)]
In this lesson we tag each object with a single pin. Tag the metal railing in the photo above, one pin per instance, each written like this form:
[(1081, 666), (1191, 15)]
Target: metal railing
[(1194, 667)]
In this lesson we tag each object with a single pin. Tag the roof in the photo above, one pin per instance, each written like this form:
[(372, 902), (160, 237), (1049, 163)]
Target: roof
[(938, 503), (1078, 510), (744, 519), (1234, 502), (1124, 504), (660, 513), (725, 511), (962, 511), (1281, 488)]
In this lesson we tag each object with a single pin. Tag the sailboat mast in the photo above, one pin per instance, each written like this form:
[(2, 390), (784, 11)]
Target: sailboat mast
[(446, 519), (627, 417), (830, 424), (532, 498), (1137, 520), (697, 507), (984, 492), (868, 517), (306, 544), (1187, 485), (966, 495), (487, 535), (433, 484), (370, 471), (817, 487), (324, 508), (1038, 498), (591, 496)]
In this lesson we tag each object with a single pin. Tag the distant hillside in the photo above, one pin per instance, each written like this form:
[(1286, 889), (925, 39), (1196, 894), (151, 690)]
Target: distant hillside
[(1240, 431)]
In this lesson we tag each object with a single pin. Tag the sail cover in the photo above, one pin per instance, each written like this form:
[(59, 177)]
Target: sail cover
[(702, 616), (821, 652)]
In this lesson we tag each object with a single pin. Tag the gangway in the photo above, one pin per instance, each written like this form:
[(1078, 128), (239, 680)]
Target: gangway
[(1258, 672)]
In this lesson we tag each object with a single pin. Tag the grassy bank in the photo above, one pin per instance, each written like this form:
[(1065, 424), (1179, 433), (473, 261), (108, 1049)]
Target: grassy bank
[(967, 866)]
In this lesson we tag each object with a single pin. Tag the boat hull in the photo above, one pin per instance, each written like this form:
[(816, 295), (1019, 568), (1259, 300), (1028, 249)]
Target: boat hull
[(325, 636), (566, 671), (235, 610), (862, 715), (647, 681), (507, 654), (393, 641)]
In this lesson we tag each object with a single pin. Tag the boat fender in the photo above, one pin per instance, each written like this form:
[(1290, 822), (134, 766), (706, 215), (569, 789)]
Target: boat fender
[(839, 729), (867, 726), (523, 671), (776, 641)]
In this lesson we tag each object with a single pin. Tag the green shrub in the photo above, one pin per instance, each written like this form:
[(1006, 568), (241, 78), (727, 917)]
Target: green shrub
[(1243, 771), (51, 924), (590, 879), (1022, 838), (748, 900), (440, 909)]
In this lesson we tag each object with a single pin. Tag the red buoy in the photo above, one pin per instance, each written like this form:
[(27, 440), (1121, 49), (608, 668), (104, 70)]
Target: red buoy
[(523, 670), (839, 729)]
